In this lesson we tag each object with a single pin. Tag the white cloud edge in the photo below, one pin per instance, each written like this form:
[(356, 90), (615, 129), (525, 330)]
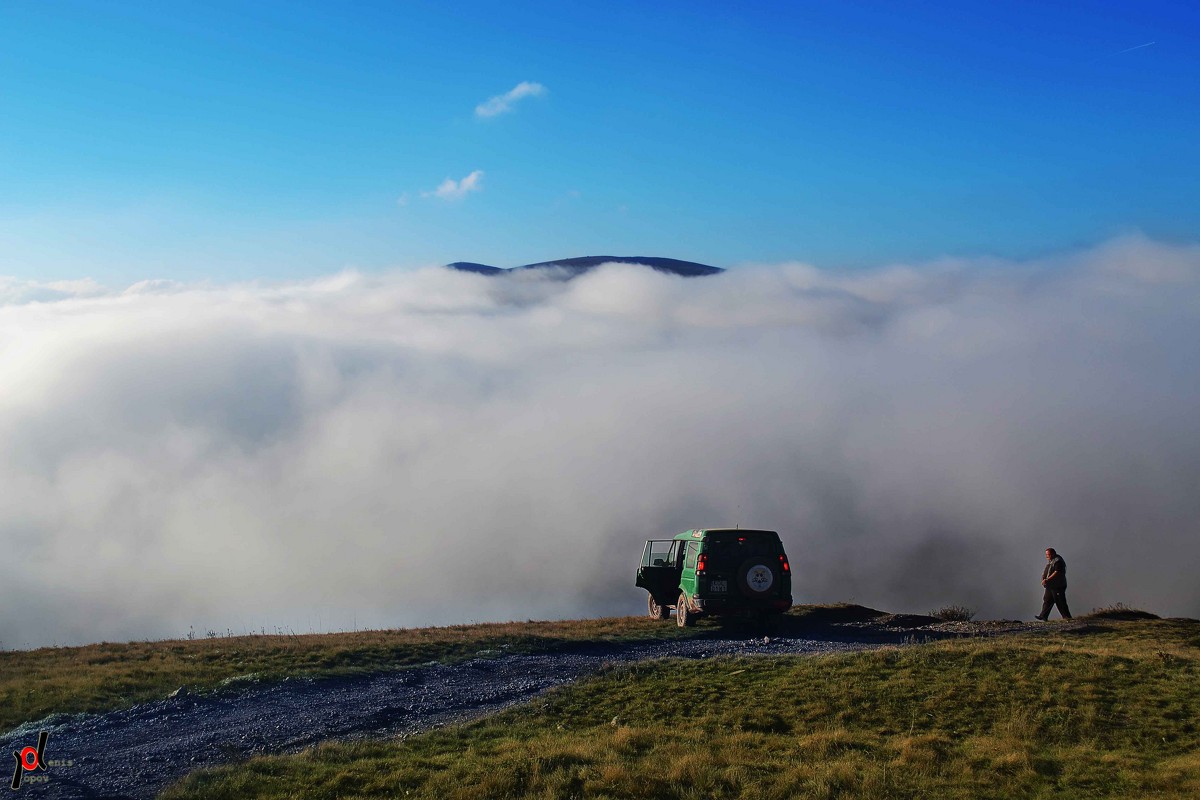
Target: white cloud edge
[(503, 103), (451, 189)]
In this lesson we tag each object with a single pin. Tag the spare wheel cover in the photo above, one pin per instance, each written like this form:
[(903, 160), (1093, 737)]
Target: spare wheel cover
[(756, 578)]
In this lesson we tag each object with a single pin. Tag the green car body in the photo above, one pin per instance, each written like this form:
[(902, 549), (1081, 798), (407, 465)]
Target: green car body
[(716, 571)]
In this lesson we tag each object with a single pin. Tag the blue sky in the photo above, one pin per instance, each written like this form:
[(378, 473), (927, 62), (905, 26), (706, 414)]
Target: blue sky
[(231, 141)]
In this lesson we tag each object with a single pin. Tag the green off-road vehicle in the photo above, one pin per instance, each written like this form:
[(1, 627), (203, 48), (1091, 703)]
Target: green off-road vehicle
[(718, 571)]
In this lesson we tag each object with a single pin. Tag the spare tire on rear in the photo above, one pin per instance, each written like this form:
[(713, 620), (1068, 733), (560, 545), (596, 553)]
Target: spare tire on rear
[(756, 577)]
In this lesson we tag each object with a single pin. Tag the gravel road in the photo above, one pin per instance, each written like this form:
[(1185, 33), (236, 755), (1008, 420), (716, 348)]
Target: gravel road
[(136, 752)]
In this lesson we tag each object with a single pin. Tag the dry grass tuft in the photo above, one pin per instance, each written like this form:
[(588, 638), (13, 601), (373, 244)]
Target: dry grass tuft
[(954, 614), (1119, 611)]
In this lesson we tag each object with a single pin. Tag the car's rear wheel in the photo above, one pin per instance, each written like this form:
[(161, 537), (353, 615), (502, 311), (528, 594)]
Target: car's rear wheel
[(656, 610), (683, 617)]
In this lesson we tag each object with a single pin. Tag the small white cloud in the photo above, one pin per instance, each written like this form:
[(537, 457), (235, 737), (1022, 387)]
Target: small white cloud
[(451, 189), (503, 103), (402, 200)]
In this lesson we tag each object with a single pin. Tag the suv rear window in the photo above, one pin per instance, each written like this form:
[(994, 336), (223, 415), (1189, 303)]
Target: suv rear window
[(734, 547)]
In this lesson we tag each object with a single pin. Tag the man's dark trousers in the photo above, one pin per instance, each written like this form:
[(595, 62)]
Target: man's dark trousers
[(1055, 597)]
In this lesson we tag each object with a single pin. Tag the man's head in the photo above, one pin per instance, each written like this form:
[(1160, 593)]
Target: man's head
[(1050, 553)]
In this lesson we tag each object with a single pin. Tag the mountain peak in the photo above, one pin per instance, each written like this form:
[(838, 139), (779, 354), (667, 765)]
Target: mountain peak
[(573, 267)]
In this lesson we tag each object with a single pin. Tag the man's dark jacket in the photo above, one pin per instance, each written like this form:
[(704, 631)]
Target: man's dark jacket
[(1055, 564)]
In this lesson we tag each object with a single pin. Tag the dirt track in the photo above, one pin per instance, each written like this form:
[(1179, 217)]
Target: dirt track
[(136, 752)]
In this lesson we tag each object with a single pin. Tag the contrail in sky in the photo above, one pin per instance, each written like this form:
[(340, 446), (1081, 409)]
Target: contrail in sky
[(1131, 49)]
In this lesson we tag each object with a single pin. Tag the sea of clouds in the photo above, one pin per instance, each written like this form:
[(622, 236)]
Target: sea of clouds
[(428, 446)]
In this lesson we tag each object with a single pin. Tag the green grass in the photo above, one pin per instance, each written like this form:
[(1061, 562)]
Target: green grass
[(101, 677), (107, 676), (1110, 711)]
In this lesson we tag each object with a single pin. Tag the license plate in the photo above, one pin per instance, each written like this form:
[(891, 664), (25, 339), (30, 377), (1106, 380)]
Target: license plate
[(718, 586)]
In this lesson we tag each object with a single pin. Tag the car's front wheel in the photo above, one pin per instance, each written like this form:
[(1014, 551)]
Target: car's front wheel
[(683, 617), (656, 610)]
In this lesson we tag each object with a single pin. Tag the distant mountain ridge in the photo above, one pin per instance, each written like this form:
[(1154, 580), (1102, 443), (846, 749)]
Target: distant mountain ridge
[(577, 266)]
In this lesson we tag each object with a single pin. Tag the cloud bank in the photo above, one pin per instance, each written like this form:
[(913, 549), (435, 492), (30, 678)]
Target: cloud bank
[(504, 103), (433, 447), (451, 189)]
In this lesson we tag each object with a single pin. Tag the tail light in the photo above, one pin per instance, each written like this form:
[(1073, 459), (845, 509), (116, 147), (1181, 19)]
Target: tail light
[(783, 563), (701, 564)]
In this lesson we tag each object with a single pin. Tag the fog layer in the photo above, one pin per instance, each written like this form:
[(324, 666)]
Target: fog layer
[(432, 446)]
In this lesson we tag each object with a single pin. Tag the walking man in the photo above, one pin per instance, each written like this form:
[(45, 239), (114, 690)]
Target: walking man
[(1054, 578)]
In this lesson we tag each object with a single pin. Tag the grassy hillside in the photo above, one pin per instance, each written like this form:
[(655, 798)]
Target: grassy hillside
[(100, 677), (1106, 711)]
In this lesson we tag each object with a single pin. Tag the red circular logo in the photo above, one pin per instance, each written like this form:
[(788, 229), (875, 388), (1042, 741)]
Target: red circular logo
[(29, 759)]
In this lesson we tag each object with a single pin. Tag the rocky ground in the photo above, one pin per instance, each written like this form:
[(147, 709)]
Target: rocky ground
[(136, 752)]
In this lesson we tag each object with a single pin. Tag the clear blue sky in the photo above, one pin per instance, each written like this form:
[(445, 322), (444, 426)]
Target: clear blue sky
[(275, 140)]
